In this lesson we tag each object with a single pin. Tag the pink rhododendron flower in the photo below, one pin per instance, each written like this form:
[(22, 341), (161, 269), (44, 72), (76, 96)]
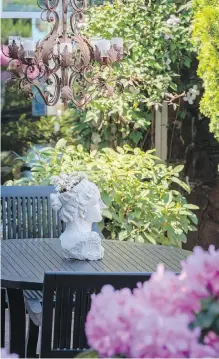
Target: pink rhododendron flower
[(107, 328), (169, 337), (212, 340), (168, 294), (202, 272), (4, 354), (153, 321)]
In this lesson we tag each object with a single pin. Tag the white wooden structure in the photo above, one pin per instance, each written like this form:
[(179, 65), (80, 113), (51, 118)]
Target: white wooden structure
[(161, 123)]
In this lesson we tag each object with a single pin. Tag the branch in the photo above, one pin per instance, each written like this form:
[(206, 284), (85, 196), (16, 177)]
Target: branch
[(173, 98)]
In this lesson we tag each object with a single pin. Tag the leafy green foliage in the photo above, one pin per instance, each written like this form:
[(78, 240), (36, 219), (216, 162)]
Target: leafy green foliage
[(88, 354), (206, 38), (144, 204), (155, 52), (14, 100), (71, 125), (111, 122), (45, 130), (208, 318)]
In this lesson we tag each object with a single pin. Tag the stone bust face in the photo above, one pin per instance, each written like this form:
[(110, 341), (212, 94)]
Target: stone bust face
[(82, 202), (94, 210)]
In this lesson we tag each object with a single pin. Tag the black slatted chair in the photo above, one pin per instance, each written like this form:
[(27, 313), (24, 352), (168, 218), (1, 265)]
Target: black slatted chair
[(63, 329), (26, 213)]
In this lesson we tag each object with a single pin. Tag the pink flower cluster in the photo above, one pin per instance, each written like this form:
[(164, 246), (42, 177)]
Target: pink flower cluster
[(212, 339), (202, 272), (4, 354), (153, 321)]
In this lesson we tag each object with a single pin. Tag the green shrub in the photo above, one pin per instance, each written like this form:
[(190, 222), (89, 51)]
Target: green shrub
[(206, 39), (144, 204), (155, 53), (47, 130)]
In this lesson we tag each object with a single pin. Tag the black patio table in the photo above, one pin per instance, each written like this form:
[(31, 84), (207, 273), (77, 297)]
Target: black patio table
[(24, 262)]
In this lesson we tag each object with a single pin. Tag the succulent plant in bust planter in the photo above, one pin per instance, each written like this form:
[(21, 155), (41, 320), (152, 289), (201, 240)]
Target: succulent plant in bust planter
[(79, 204)]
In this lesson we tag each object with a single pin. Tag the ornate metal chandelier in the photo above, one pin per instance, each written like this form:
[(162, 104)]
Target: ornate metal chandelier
[(64, 59)]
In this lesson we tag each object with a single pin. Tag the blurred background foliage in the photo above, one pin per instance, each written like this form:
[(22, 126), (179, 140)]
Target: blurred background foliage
[(205, 37), (15, 27)]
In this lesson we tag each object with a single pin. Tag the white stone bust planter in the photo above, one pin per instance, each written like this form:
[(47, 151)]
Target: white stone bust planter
[(79, 204)]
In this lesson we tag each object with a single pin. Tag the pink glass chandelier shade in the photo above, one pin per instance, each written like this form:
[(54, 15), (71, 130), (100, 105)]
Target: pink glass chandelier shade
[(4, 59)]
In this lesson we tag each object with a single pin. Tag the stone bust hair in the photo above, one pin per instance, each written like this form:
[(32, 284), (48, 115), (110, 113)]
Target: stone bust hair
[(73, 204)]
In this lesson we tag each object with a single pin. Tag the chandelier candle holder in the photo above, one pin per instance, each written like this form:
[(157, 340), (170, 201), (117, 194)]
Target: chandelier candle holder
[(64, 59), (107, 51)]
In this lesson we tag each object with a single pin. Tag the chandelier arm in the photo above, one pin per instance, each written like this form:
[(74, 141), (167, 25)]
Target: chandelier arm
[(47, 51), (43, 72), (54, 30), (22, 59), (40, 6), (49, 71), (72, 81), (84, 97), (56, 67), (45, 6), (83, 54), (64, 19), (46, 72), (94, 79), (65, 82), (57, 86), (75, 69), (53, 6), (45, 96), (78, 8), (42, 96), (30, 68), (65, 76), (26, 88), (75, 18), (87, 99)]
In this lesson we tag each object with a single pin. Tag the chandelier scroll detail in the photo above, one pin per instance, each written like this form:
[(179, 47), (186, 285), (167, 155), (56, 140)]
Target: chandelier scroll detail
[(61, 66)]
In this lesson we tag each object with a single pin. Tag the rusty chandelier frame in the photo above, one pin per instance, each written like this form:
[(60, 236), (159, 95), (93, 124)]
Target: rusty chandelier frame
[(62, 59)]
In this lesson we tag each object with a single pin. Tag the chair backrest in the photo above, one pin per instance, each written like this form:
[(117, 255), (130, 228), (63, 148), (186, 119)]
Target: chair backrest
[(26, 213), (63, 333)]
